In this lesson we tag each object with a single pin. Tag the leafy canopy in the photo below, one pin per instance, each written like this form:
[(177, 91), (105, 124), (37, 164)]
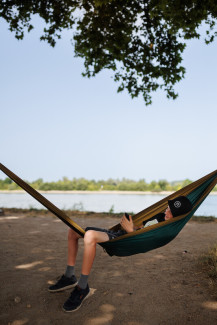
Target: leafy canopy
[(140, 41)]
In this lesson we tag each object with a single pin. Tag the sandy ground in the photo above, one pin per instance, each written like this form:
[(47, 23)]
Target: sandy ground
[(165, 286)]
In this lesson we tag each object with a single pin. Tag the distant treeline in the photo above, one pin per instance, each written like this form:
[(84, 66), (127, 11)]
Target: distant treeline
[(82, 184)]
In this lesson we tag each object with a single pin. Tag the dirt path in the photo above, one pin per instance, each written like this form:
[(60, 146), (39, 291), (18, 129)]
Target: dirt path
[(162, 287)]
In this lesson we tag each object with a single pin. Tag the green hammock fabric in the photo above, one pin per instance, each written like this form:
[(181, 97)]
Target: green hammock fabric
[(143, 240), (161, 234)]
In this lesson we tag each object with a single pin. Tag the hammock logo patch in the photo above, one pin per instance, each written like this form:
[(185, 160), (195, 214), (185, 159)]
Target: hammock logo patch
[(177, 204)]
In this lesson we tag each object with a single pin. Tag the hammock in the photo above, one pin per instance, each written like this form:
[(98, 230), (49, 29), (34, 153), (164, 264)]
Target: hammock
[(145, 239)]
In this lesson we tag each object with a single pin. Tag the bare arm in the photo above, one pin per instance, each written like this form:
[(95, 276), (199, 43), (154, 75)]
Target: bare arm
[(128, 225)]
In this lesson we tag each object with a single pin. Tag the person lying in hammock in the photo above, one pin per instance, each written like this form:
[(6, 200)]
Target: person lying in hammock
[(176, 207)]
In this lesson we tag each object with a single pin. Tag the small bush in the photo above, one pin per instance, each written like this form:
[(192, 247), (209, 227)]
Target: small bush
[(112, 209)]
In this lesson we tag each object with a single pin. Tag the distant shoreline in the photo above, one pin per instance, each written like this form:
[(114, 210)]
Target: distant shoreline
[(99, 192)]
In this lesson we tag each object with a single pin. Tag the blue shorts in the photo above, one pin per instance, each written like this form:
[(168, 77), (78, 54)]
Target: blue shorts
[(111, 234)]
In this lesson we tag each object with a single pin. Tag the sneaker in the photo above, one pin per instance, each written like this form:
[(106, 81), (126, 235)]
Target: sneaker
[(76, 299), (63, 283)]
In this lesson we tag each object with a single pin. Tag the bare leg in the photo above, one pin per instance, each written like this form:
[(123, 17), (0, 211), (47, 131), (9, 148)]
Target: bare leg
[(73, 238), (91, 238), (81, 291), (68, 280)]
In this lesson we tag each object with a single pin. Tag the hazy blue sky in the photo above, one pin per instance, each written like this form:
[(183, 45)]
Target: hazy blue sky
[(56, 123)]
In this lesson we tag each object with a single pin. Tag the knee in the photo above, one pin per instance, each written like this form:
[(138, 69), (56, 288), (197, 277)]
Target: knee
[(72, 235), (90, 237)]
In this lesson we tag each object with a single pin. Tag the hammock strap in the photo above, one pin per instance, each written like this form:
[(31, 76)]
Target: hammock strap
[(46, 203)]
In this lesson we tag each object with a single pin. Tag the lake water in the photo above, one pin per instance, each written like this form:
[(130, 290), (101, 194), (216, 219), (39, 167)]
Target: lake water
[(98, 202)]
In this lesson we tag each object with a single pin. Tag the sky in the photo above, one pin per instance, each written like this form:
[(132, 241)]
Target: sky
[(56, 123)]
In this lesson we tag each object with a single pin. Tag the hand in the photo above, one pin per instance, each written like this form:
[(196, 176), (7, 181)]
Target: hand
[(126, 224)]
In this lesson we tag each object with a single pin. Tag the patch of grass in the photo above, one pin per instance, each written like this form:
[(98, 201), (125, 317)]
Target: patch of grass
[(209, 264), (204, 219), (111, 209), (77, 207), (25, 211)]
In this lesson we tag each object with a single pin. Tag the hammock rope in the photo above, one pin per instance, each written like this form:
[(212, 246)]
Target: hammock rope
[(147, 238)]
